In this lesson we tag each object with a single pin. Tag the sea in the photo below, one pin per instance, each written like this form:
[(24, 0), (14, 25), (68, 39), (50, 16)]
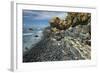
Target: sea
[(31, 37)]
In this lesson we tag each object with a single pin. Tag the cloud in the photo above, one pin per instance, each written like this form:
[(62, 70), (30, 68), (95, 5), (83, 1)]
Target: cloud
[(42, 15)]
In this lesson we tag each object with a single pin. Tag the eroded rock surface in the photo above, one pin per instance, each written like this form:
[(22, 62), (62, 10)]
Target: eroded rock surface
[(65, 45), (74, 43)]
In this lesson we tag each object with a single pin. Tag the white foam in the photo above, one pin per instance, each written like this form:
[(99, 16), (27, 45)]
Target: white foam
[(27, 34)]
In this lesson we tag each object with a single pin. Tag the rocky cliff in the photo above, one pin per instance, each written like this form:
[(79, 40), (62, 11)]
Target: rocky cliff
[(72, 43)]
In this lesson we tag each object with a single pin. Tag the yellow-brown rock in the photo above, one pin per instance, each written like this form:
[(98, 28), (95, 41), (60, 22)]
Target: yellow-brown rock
[(72, 19)]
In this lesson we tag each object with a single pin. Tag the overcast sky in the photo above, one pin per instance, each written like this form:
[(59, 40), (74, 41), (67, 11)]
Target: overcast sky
[(40, 18)]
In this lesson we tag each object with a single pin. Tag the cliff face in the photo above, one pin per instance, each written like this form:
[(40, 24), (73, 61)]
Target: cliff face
[(74, 43), (72, 19)]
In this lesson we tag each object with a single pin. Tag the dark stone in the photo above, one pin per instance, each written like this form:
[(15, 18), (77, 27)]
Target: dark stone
[(36, 36), (59, 46)]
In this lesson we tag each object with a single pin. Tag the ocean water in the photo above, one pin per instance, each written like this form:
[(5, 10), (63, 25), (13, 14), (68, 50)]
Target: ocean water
[(30, 38)]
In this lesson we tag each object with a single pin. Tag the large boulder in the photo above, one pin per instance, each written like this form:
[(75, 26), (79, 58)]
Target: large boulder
[(72, 19), (58, 44)]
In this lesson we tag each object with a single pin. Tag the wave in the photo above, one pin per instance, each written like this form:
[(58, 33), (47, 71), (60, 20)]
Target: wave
[(36, 32), (26, 34)]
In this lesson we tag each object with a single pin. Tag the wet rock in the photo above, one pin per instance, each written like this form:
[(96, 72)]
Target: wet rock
[(36, 36), (74, 43), (31, 29)]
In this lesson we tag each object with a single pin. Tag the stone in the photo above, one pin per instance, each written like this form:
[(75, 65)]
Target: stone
[(68, 39)]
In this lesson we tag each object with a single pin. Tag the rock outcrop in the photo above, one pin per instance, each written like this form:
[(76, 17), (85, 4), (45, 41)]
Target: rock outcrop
[(74, 43), (73, 19)]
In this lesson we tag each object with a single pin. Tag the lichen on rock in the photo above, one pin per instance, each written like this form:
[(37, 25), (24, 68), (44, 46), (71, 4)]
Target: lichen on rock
[(72, 19), (65, 39)]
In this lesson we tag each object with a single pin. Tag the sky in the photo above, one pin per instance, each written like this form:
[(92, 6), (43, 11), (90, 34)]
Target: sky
[(40, 18)]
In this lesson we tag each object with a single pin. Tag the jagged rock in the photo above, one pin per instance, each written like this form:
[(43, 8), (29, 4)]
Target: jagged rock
[(71, 44), (58, 44), (73, 19), (31, 29)]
